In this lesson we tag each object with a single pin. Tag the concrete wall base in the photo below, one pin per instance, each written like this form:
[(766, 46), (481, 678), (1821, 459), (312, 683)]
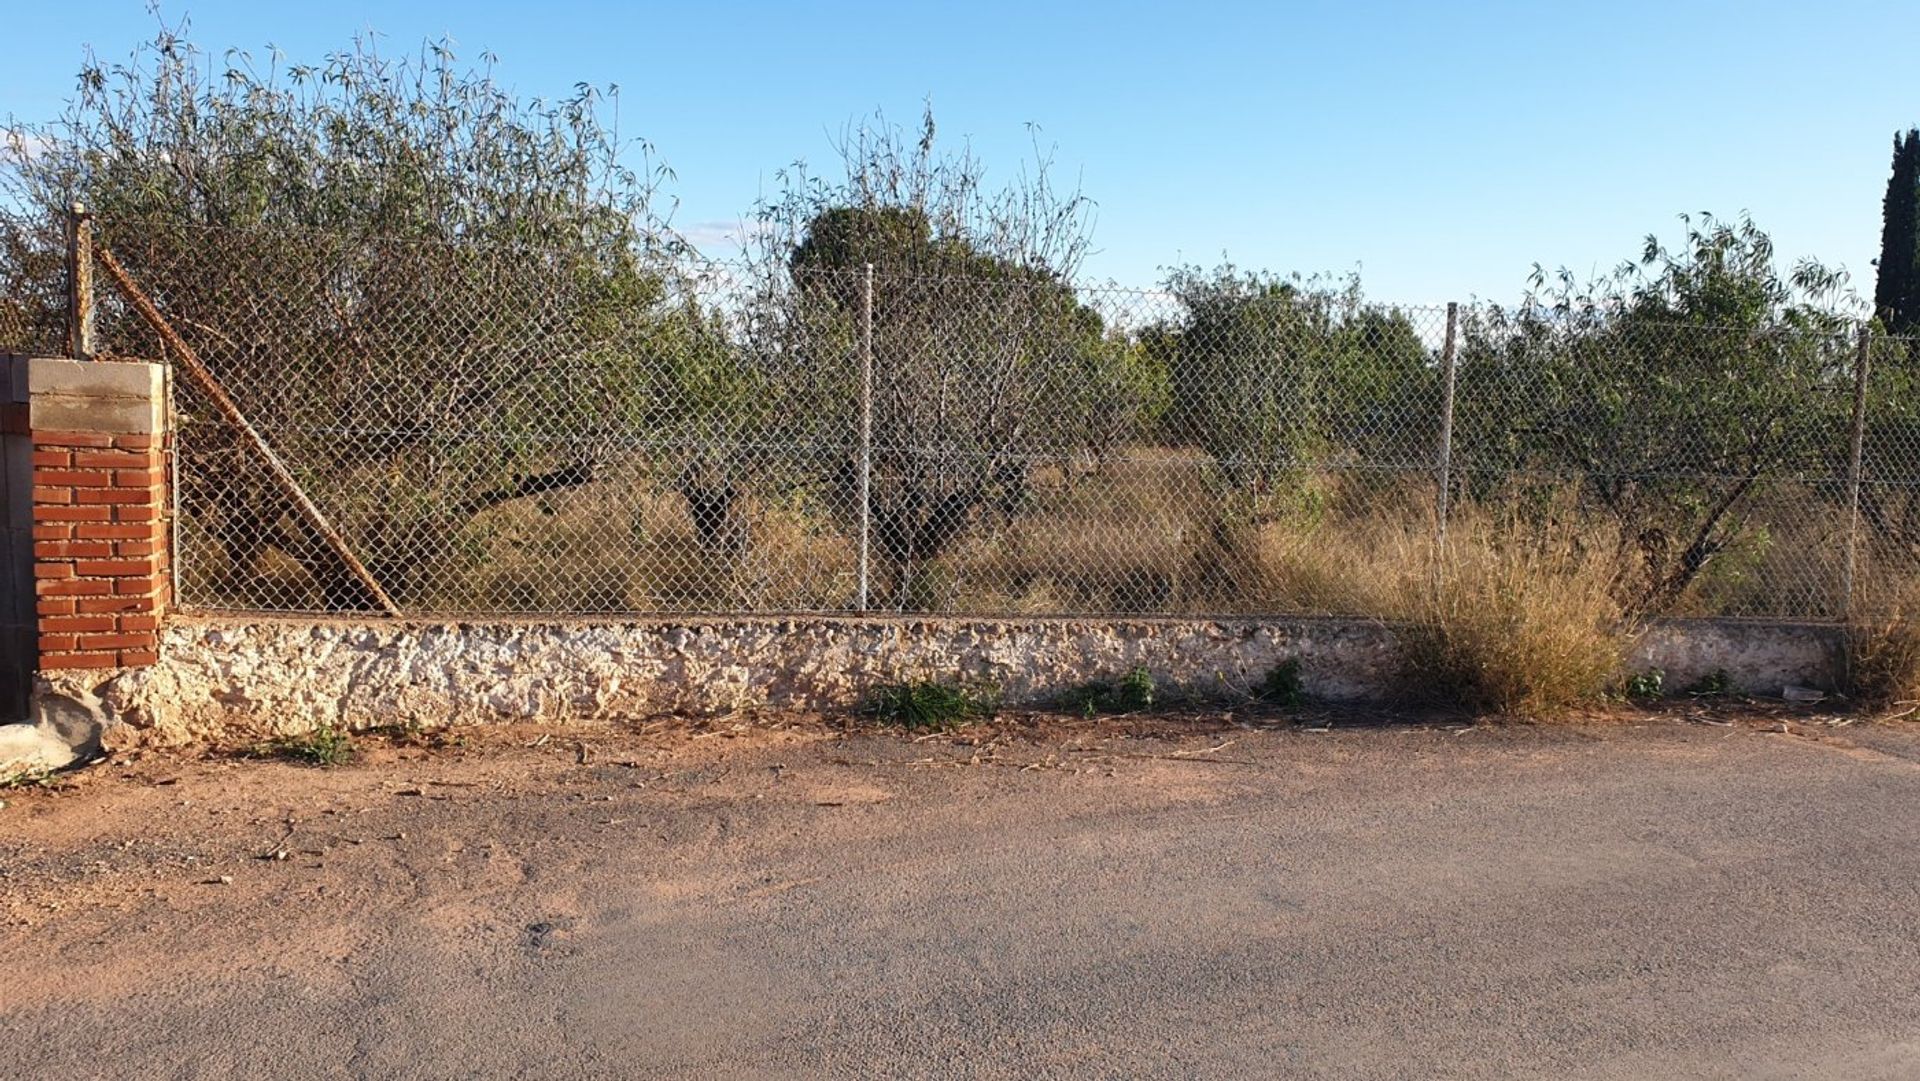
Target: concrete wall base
[(219, 676)]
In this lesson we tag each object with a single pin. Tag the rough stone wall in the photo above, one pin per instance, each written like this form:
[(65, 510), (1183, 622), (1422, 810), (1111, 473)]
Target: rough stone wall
[(1758, 658), (283, 675), (223, 676)]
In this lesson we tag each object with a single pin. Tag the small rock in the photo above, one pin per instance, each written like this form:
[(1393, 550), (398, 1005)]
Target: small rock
[(27, 749)]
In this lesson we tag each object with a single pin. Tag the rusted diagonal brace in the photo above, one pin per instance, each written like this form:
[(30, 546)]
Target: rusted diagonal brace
[(198, 372)]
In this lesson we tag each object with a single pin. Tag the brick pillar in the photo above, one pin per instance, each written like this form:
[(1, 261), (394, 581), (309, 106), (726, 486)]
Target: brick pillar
[(100, 560)]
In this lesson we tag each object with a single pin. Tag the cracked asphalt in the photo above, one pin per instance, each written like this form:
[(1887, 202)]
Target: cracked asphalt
[(1650, 898)]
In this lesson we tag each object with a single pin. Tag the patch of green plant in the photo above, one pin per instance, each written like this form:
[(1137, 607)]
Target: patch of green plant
[(413, 733), (326, 746), (1648, 684), (929, 704), (1282, 685), (1134, 692), (35, 778), (1712, 685)]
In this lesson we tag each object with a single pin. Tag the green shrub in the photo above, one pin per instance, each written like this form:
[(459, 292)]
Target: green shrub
[(1133, 693), (928, 704), (1883, 662), (1714, 684), (326, 746), (1282, 685), (1648, 684)]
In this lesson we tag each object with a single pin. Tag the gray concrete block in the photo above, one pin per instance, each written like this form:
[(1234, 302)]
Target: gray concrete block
[(107, 416), (110, 397), (96, 378)]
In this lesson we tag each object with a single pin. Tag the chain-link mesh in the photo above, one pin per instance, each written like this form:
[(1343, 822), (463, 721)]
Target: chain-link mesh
[(33, 281), (495, 429), (1887, 556), (1705, 466)]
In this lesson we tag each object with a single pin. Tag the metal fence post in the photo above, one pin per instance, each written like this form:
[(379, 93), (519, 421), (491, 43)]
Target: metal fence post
[(1855, 466), (1444, 465), (866, 430), (79, 283)]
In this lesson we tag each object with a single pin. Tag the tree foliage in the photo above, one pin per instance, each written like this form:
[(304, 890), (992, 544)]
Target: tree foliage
[(1896, 294), (983, 356), (433, 296), (1679, 392), (1271, 375)]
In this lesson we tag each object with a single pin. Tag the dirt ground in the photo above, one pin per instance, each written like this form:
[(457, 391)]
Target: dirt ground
[(1727, 893)]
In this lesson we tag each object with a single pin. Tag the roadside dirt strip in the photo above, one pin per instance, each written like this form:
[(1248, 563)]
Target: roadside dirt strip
[(1730, 895)]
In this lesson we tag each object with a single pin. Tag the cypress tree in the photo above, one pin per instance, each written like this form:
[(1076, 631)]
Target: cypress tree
[(1896, 293)]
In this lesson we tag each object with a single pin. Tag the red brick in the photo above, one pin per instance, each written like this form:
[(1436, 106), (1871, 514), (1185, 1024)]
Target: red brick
[(134, 587), (45, 496), (134, 658), (52, 459), (112, 459), (73, 587), (143, 512), (79, 660), (114, 495), (53, 570), (72, 549), (54, 643), (52, 532), (73, 478), (134, 548), (113, 568), (139, 478), (142, 622), (134, 442), (153, 531), (56, 440), (76, 624), (72, 514), (118, 604), (116, 641), (54, 606)]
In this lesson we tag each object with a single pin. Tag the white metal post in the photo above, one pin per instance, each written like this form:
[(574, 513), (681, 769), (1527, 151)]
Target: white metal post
[(866, 431), (1444, 463), (1854, 468)]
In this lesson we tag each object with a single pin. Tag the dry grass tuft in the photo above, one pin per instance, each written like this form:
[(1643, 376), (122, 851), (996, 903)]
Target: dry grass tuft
[(1520, 619), (1883, 655), (1520, 616)]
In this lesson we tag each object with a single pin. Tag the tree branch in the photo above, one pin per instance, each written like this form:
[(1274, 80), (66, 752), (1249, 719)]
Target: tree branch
[(567, 476)]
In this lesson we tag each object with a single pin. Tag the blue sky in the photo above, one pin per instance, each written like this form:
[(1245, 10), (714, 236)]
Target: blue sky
[(1441, 149)]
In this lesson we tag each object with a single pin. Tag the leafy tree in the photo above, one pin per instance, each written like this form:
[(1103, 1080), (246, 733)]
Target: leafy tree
[(434, 298), (1677, 393), (1274, 375), (1896, 294), (984, 359)]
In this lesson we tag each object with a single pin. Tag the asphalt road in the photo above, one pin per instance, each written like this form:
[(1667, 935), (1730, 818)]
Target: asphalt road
[(1672, 900)]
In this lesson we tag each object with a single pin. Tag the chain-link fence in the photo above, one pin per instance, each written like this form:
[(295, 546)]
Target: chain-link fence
[(497, 429), (33, 284)]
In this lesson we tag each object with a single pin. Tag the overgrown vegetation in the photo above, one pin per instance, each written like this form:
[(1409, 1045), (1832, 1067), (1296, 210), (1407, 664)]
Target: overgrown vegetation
[(1134, 692), (1715, 684), (1882, 656), (930, 703), (1282, 685), (1650, 684), (378, 255), (325, 746), (1684, 394), (460, 317), (1520, 619)]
